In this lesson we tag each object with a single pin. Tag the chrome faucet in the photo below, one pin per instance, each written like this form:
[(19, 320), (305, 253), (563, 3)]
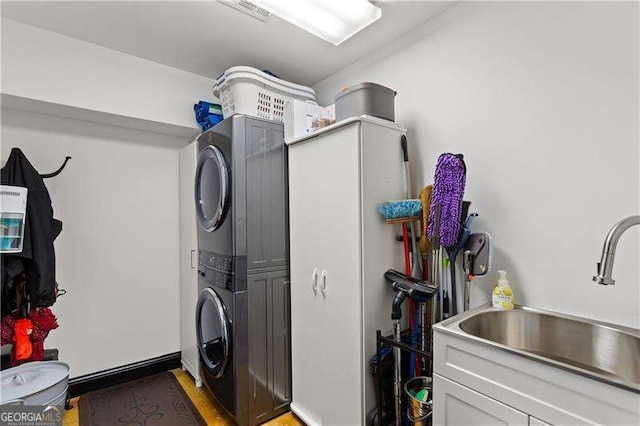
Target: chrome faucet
[(605, 266)]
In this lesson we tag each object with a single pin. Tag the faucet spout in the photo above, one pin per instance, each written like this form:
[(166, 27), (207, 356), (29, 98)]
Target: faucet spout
[(605, 266)]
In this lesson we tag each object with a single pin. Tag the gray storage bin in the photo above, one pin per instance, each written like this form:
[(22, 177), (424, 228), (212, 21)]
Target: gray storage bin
[(366, 98)]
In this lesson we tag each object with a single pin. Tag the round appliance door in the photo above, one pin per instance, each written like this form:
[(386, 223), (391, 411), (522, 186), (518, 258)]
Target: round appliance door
[(212, 188), (212, 332)]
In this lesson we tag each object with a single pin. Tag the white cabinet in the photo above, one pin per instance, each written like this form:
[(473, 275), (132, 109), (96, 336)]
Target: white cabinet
[(340, 249), (458, 405), (471, 376), (188, 263)]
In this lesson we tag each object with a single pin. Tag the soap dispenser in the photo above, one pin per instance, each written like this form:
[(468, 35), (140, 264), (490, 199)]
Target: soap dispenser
[(502, 297)]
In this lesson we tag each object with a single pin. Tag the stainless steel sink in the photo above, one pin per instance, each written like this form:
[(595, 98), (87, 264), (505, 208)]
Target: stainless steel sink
[(602, 351)]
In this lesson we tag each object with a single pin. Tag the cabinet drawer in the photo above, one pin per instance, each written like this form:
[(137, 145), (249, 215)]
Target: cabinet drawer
[(457, 405)]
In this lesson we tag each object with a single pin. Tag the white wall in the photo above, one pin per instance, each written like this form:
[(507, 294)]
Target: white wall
[(46, 66), (118, 253), (542, 98)]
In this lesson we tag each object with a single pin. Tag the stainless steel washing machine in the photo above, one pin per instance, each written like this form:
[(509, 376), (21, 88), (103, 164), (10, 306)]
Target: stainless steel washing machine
[(242, 316)]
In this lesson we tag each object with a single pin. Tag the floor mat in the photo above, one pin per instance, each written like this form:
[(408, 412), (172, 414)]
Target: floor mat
[(155, 400)]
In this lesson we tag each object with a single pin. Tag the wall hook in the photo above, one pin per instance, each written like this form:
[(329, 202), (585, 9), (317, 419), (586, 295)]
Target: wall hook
[(57, 172)]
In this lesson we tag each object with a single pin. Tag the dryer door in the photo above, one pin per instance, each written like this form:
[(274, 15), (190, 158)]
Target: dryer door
[(212, 188), (212, 332)]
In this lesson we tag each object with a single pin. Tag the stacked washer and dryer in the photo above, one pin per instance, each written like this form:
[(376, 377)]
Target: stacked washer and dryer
[(243, 308)]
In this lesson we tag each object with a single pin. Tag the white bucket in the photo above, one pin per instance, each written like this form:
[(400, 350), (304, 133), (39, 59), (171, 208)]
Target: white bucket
[(35, 383)]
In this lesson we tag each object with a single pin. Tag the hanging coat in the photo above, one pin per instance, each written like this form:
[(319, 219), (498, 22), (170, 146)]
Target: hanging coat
[(37, 259)]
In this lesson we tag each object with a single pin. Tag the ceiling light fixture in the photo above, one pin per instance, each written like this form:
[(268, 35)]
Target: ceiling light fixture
[(249, 8), (333, 21)]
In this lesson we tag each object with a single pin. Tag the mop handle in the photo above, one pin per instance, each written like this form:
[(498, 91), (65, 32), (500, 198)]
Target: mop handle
[(405, 240), (416, 270), (437, 263)]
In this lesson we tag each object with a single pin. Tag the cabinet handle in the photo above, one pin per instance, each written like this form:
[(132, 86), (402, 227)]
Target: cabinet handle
[(323, 277), (193, 265), (314, 281)]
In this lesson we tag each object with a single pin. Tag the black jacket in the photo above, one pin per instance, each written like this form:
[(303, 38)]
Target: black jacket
[(38, 258)]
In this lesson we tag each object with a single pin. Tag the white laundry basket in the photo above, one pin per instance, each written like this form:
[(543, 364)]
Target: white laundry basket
[(247, 90)]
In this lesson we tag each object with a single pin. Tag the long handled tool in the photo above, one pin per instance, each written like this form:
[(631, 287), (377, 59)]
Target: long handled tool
[(453, 254), (425, 198), (416, 270), (404, 286), (448, 192), (404, 222), (435, 264)]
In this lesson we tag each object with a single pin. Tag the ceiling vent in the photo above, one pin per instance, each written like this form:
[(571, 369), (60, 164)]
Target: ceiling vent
[(249, 8)]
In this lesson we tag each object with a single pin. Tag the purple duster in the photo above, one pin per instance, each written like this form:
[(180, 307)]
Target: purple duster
[(448, 191)]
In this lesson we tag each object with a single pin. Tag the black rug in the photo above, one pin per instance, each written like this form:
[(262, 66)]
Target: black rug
[(157, 400)]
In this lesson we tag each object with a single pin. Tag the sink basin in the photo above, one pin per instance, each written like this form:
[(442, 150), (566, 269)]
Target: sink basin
[(602, 351)]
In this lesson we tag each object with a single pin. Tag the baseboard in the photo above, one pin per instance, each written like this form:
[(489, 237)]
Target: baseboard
[(115, 376)]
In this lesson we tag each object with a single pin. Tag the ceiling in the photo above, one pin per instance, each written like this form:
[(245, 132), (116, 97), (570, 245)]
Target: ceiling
[(207, 37)]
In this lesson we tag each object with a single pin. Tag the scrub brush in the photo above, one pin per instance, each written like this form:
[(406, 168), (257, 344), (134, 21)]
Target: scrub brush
[(401, 209), (425, 197)]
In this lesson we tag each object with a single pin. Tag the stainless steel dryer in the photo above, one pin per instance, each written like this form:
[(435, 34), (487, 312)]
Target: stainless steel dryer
[(242, 316)]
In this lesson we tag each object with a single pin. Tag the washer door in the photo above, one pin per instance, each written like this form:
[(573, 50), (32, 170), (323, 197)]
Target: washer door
[(212, 188), (212, 332)]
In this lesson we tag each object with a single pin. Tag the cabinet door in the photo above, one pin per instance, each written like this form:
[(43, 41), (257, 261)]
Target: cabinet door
[(341, 282), (306, 347), (266, 186), (458, 405), (306, 343), (341, 391), (188, 261), (269, 372), (325, 234)]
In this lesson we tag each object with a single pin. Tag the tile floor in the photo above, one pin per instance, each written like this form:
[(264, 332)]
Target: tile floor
[(209, 409)]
